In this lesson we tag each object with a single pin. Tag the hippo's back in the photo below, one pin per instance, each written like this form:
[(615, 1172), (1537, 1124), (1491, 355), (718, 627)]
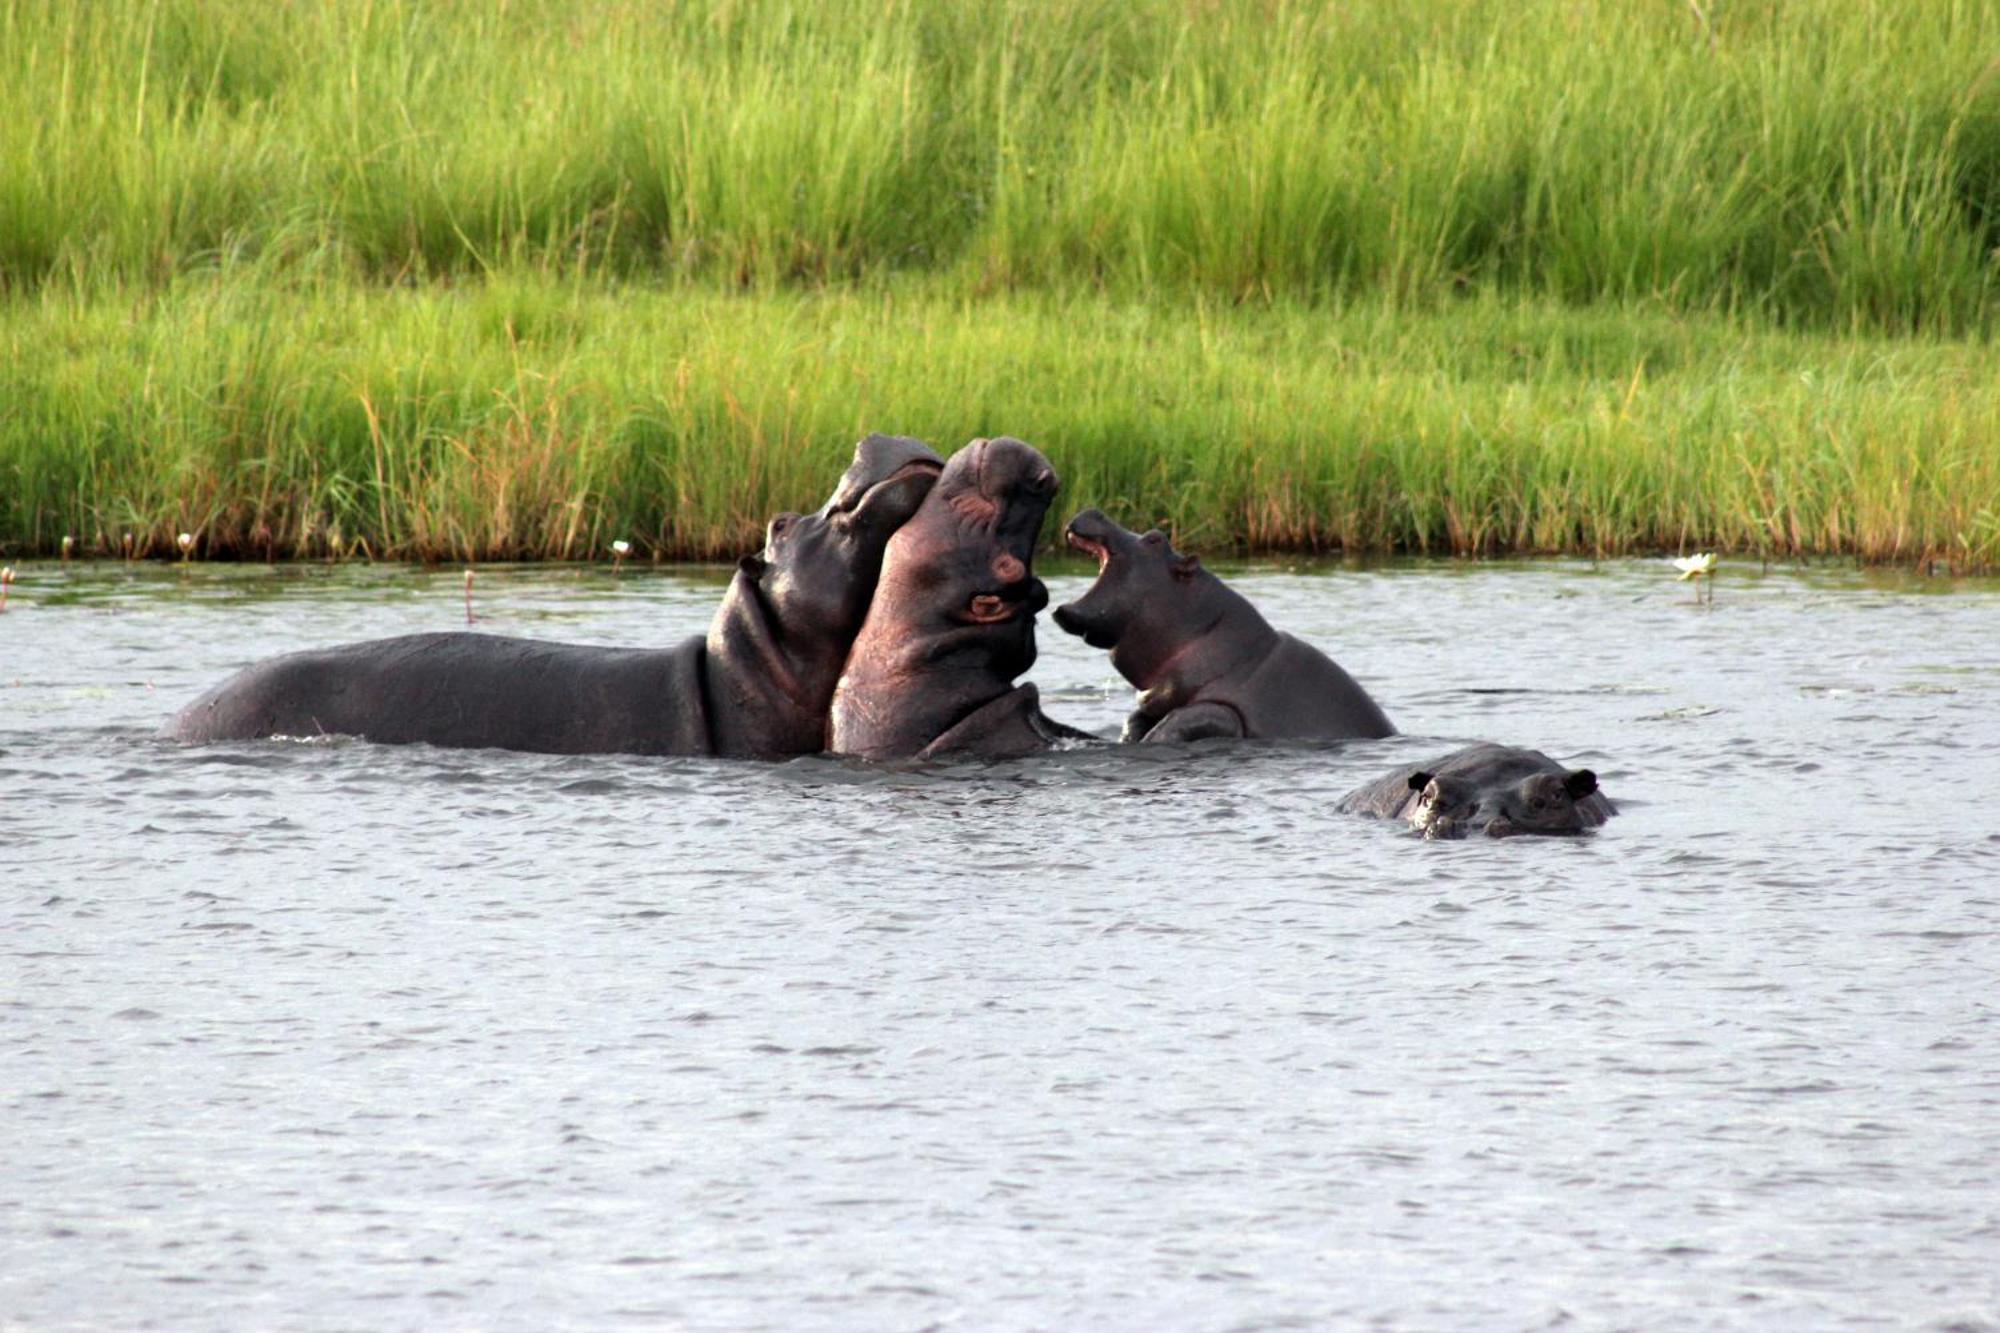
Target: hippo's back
[(1385, 798), (1299, 693), (466, 690)]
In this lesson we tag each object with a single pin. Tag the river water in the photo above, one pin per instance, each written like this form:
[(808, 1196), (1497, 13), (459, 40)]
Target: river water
[(344, 1036)]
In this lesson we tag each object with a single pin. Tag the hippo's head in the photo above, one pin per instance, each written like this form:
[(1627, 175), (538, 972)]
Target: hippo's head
[(1148, 600), (791, 613), (817, 571), (1501, 804), (953, 622), (965, 562)]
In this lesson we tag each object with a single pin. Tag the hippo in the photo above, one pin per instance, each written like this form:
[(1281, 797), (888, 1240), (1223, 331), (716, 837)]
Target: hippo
[(1204, 661), (757, 686), (932, 671), (1497, 790)]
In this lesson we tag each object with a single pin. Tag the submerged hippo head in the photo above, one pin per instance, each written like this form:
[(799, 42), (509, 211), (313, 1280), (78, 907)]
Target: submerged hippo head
[(791, 613), (953, 621), (1501, 798)]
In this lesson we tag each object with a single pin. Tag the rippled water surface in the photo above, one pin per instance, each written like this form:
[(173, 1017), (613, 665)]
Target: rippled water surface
[(338, 1035)]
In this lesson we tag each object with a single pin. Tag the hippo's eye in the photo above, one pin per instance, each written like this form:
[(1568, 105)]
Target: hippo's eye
[(1154, 538), (781, 525)]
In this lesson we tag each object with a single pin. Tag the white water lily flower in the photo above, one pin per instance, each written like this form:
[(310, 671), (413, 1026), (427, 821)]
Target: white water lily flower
[(1695, 566), (621, 547), (185, 541)]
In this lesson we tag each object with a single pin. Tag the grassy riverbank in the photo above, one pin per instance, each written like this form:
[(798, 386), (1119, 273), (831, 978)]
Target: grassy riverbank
[(443, 280), (533, 418)]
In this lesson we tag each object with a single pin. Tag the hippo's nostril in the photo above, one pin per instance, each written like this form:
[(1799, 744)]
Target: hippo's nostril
[(1501, 827)]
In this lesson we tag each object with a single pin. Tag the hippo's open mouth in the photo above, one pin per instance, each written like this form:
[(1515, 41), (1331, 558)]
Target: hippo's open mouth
[(1098, 550)]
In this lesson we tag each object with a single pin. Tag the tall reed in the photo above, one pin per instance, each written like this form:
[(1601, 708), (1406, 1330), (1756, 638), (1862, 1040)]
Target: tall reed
[(533, 416), (406, 278), (1833, 163)]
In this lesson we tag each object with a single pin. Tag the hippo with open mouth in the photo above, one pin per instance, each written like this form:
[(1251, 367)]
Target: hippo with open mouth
[(932, 672), (1495, 790), (1205, 663), (757, 686)]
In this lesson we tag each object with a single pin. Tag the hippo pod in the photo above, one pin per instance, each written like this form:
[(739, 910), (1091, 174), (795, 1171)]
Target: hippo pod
[(1497, 790), (758, 685), (953, 621), (1204, 661)]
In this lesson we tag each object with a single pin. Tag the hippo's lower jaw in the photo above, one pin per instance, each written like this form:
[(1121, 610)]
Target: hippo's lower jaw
[(1070, 622)]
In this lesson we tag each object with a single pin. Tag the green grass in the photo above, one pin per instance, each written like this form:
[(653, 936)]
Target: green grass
[(1825, 162), (536, 418), (440, 279)]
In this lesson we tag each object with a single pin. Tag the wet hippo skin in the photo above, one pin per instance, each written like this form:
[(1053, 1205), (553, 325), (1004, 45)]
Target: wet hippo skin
[(932, 672), (1205, 663), (1486, 789), (758, 685)]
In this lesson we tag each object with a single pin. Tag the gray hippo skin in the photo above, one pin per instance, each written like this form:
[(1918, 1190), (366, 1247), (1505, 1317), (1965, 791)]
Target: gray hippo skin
[(1497, 790), (757, 686), (953, 621), (1204, 661)]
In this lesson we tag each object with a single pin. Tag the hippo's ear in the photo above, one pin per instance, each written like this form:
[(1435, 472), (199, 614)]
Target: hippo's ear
[(1419, 780), (889, 503), (753, 565), (1186, 567), (1580, 784)]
